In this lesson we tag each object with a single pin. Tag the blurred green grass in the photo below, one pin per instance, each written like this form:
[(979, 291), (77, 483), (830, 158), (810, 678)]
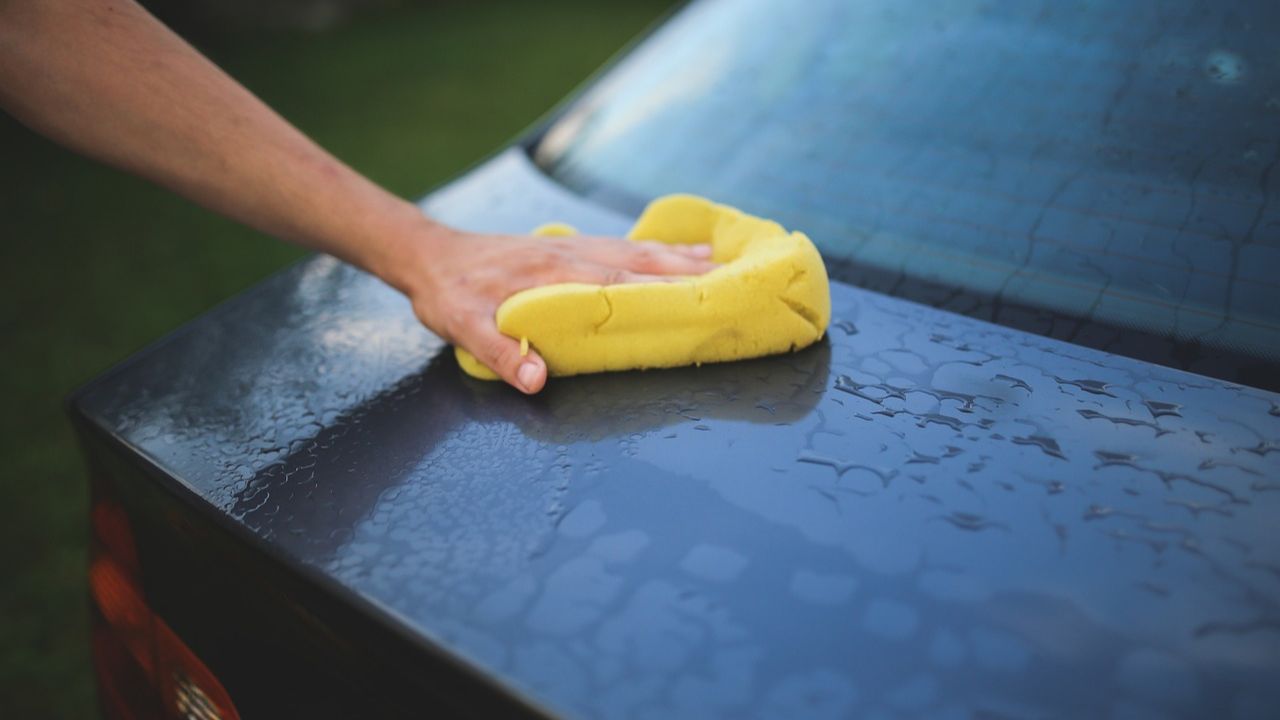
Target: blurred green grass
[(97, 264)]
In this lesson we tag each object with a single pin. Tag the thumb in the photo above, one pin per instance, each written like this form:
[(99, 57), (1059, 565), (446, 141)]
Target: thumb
[(525, 372)]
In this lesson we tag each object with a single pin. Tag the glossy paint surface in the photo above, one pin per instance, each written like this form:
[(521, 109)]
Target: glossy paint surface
[(922, 515), (1082, 170)]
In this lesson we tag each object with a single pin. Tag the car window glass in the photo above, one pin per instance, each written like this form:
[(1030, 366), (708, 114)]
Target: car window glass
[(1113, 161)]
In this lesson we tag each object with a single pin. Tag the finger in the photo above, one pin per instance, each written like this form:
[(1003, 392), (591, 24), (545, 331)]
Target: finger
[(695, 250), (701, 251), (641, 256), (605, 275), (501, 354), (592, 273), (655, 257), (645, 256)]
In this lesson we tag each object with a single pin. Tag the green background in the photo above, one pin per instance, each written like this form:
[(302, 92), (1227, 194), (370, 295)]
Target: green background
[(96, 264)]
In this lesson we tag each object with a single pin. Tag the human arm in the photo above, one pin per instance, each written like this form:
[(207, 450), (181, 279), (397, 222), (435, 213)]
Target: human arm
[(107, 79)]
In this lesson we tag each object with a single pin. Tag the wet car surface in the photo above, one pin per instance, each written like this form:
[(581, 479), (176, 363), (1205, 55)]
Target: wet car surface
[(922, 512), (925, 514)]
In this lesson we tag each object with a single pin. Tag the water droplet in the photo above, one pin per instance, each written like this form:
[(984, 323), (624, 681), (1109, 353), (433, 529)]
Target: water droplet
[(1212, 463), (1261, 449), (847, 327), (1224, 67), (1195, 508), (841, 467), (1098, 512), (953, 423), (1133, 422), (1015, 382), (972, 522), (1047, 445), (1160, 409), (1106, 457), (1094, 387)]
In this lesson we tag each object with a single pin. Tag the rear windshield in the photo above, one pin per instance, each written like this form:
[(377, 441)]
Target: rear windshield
[(1113, 162)]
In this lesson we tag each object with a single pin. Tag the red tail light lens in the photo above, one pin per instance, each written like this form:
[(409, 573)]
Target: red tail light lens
[(144, 669)]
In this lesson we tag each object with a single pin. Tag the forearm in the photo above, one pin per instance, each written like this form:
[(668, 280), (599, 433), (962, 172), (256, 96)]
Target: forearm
[(106, 79)]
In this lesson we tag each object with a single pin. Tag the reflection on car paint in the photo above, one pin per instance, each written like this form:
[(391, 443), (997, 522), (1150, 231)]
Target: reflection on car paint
[(922, 513)]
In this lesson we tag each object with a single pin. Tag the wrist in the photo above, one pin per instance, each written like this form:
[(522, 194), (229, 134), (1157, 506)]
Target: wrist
[(407, 251)]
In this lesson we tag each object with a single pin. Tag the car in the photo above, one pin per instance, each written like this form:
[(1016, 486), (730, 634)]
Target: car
[(1032, 470)]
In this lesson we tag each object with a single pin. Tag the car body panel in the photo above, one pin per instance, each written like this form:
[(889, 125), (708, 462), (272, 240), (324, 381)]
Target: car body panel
[(1102, 173), (924, 512)]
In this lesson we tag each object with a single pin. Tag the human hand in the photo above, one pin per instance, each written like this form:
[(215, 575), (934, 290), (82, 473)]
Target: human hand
[(457, 280), (188, 126)]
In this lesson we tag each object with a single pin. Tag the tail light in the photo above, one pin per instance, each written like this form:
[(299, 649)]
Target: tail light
[(145, 671)]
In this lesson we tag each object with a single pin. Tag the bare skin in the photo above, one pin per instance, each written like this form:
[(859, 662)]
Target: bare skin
[(106, 79)]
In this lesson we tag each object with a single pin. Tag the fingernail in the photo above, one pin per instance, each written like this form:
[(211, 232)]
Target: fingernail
[(700, 250), (527, 375)]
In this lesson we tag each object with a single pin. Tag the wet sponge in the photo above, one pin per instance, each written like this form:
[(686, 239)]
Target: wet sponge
[(769, 295)]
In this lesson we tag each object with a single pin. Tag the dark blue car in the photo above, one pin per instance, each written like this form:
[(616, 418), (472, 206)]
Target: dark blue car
[(1033, 470)]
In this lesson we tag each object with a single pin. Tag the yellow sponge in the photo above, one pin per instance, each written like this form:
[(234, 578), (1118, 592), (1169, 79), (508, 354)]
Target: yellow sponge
[(769, 295)]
